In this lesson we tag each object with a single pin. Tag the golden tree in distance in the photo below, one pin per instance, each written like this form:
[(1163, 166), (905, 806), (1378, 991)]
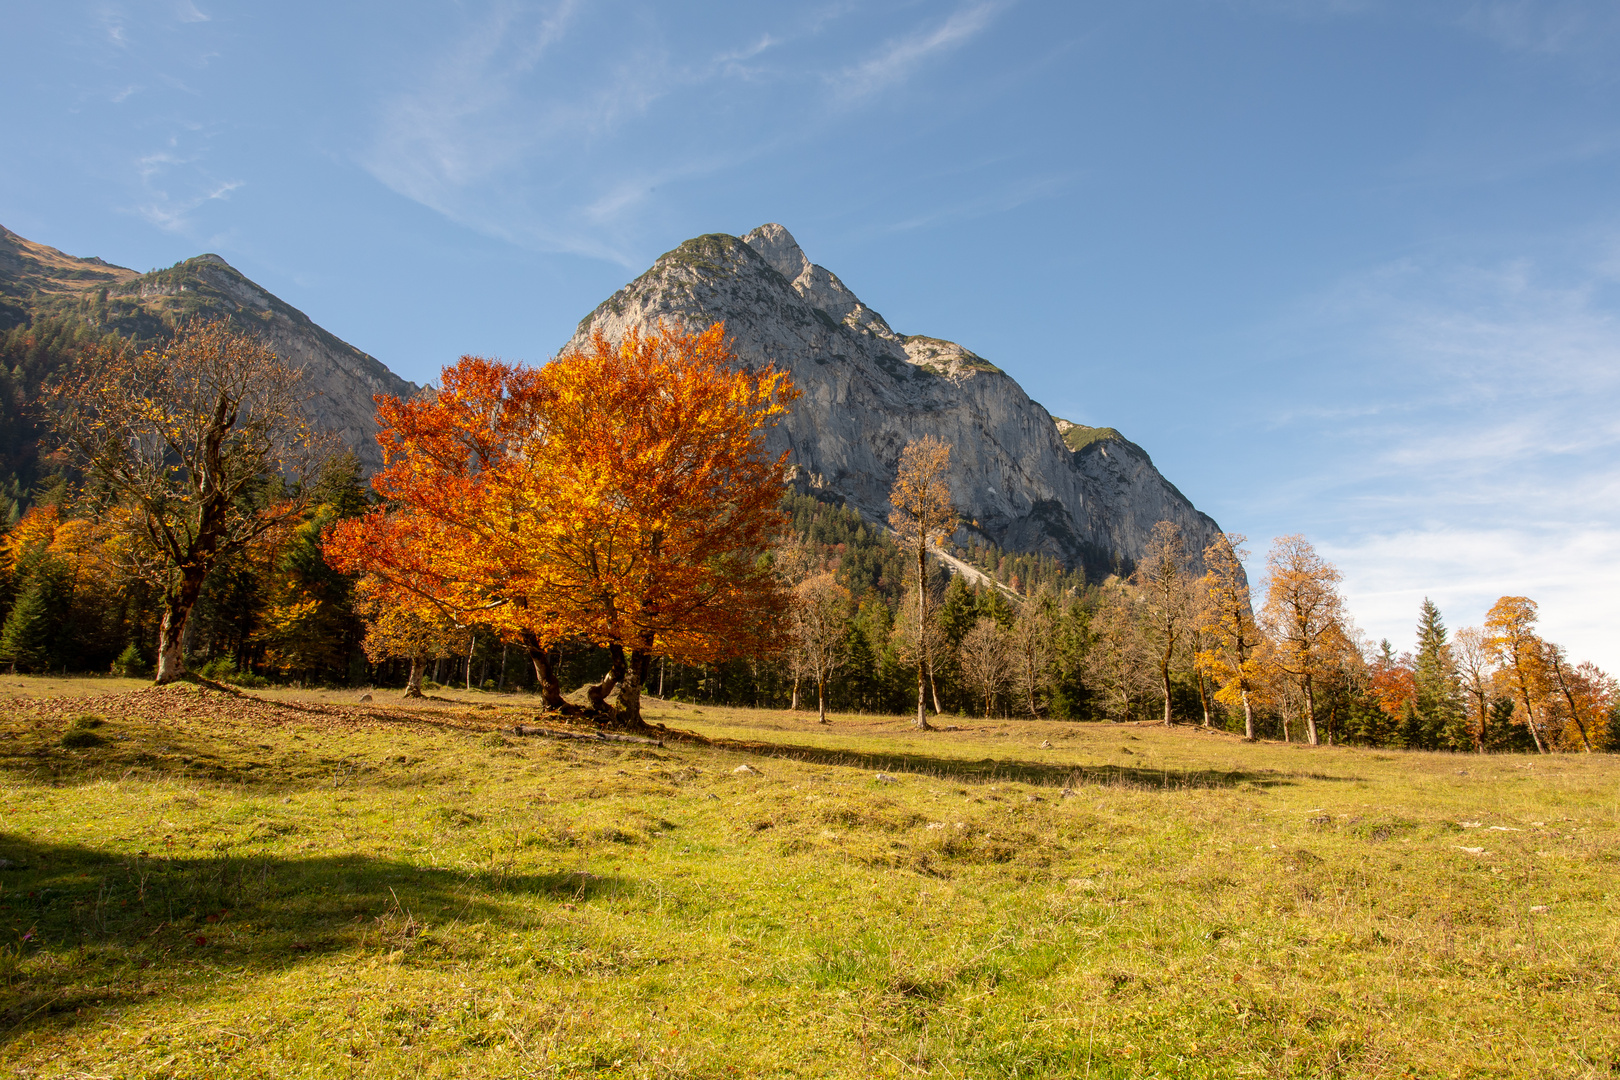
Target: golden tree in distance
[(923, 515), (183, 434), (1234, 656), (1304, 615), (1518, 650)]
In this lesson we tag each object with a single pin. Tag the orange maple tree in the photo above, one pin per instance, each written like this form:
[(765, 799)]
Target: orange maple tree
[(619, 496)]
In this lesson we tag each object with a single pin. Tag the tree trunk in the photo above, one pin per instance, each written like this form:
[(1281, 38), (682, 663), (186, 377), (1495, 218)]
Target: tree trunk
[(1248, 717), (1164, 684), (472, 646), (933, 688), (1574, 713), (413, 682), (821, 700), (172, 633), (630, 684), (1310, 713), (544, 673), (1530, 717), (1203, 697), (922, 635), (795, 705), (501, 684)]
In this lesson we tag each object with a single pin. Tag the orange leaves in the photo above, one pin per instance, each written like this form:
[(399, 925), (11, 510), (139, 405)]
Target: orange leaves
[(620, 495)]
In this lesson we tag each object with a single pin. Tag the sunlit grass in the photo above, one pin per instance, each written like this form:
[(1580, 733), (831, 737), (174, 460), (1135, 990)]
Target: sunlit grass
[(229, 888)]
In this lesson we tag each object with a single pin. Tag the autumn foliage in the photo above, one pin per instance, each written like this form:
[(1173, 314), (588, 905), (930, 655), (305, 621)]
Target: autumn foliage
[(620, 497)]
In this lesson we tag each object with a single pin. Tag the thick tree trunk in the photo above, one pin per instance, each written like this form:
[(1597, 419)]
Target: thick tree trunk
[(1310, 713), (1248, 717), (1164, 685), (598, 692), (795, 705), (933, 689), (413, 682), (630, 684), (544, 675), (172, 632), (821, 700)]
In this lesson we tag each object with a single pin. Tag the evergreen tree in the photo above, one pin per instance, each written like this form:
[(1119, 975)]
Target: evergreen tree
[(1441, 718), (31, 636), (958, 611), (1502, 735)]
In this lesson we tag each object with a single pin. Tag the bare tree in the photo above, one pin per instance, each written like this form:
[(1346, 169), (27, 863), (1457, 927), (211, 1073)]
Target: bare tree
[(1167, 601), (923, 515), (1471, 652), (930, 647), (984, 657), (1116, 664), (1033, 646), (820, 627), (184, 433)]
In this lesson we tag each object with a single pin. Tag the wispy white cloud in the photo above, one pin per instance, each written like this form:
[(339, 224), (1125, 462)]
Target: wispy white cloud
[(1548, 27), (899, 59), (513, 134), (187, 12), (160, 205), (1476, 450)]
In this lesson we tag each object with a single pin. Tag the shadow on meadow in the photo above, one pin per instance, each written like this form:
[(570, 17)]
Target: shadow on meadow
[(1010, 770), (81, 927)]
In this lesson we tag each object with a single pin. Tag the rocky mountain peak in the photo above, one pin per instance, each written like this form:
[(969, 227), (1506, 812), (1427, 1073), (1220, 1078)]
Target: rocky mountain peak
[(778, 248), (1084, 495)]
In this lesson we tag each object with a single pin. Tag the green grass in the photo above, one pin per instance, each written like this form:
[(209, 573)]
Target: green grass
[(292, 885)]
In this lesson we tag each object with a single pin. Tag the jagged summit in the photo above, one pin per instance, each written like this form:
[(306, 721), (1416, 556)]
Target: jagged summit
[(868, 391)]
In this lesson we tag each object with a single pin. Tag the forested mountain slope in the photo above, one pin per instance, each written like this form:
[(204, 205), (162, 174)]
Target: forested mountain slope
[(53, 305)]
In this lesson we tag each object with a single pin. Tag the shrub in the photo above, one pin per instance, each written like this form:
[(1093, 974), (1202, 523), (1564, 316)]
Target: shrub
[(130, 663), (223, 669)]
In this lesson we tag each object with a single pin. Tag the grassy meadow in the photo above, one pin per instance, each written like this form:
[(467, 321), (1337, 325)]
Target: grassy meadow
[(301, 884)]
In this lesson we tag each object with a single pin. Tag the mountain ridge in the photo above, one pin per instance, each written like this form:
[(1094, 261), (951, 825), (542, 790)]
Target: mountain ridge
[(37, 281)]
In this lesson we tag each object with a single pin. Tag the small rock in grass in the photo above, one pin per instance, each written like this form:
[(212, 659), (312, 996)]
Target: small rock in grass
[(1046, 744), (885, 778), (1540, 909), (365, 697), (746, 770)]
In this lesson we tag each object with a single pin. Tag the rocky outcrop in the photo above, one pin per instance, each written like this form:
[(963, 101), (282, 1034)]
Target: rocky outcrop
[(37, 280), (1091, 500)]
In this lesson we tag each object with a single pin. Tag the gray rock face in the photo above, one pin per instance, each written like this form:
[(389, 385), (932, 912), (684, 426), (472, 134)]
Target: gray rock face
[(38, 280), (341, 379), (868, 391)]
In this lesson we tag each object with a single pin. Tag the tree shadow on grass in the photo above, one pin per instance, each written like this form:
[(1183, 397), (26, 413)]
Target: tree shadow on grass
[(82, 929), (1010, 770)]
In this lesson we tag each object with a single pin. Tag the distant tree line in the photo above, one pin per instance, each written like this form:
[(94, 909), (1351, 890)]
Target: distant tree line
[(86, 584)]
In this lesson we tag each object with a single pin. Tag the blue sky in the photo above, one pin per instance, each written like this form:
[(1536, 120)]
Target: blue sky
[(1349, 268)]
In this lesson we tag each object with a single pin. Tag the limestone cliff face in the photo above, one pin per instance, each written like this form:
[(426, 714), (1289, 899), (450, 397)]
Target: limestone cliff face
[(1091, 500), (37, 280)]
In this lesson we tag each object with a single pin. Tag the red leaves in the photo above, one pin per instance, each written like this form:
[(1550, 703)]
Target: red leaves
[(619, 495)]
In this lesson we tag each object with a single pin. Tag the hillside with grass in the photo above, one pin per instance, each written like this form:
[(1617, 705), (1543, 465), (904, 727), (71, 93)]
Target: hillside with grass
[(203, 883)]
